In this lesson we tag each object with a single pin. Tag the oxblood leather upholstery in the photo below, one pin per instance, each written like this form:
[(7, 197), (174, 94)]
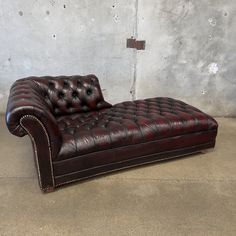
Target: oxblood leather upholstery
[(129, 123), (86, 136), (67, 95), (26, 99)]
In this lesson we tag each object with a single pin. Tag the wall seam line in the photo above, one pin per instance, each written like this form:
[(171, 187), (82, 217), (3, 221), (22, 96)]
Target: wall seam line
[(133, 86)]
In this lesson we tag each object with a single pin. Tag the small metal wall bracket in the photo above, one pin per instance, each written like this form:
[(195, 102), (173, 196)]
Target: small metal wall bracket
[(133, 43)]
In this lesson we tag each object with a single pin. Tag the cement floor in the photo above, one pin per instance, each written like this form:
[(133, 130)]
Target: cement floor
[(190, 196)]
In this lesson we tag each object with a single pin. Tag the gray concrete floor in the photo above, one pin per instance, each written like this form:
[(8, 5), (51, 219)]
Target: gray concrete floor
[(189, 196)]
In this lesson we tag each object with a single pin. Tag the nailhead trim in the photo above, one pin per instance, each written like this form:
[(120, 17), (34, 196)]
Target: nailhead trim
[(35, 148)]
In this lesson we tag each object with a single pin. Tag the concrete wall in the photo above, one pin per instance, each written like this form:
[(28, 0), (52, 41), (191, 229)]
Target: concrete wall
[(190, 47), (66, 37), (191, 52)]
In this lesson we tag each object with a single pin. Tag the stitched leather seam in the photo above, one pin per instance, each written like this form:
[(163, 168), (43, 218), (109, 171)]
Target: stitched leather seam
[(125, 167), (35, 147)]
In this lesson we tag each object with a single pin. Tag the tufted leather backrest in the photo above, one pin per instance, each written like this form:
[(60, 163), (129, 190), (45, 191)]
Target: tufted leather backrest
[(69, 94)]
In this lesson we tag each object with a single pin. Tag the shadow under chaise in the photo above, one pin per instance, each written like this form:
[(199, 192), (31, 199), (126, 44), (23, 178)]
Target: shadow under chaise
[(76, 134)]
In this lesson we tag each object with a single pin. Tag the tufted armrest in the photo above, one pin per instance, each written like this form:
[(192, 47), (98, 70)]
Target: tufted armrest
[(26, 101)]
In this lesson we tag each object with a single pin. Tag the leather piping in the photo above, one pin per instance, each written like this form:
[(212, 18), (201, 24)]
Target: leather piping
[(35, 147)]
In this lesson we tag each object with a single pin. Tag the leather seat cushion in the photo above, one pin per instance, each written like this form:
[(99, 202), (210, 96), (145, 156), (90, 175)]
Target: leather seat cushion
[(129, 123)]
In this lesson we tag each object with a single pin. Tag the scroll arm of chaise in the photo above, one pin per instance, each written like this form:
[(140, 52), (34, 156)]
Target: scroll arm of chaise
[(26, 102)]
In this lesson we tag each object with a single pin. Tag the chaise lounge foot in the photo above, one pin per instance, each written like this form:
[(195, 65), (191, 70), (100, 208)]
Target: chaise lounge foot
[(48, 190)]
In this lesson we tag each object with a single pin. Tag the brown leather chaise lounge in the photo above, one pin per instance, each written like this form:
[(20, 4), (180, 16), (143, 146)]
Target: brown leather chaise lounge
[(76, 134)]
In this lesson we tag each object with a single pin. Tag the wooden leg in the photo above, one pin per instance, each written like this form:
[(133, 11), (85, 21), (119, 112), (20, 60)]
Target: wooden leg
[(48, 190)]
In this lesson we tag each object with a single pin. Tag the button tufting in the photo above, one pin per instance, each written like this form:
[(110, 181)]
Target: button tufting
[(46, 95), (110, 127), (61, 95), (51, 84), (74, 94), (93, 80), (66, 84), (62, 90), (68, 105), (79, 84), (89, 91)]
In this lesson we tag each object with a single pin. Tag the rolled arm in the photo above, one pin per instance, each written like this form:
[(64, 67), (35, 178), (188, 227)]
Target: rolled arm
[(26, 99)]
